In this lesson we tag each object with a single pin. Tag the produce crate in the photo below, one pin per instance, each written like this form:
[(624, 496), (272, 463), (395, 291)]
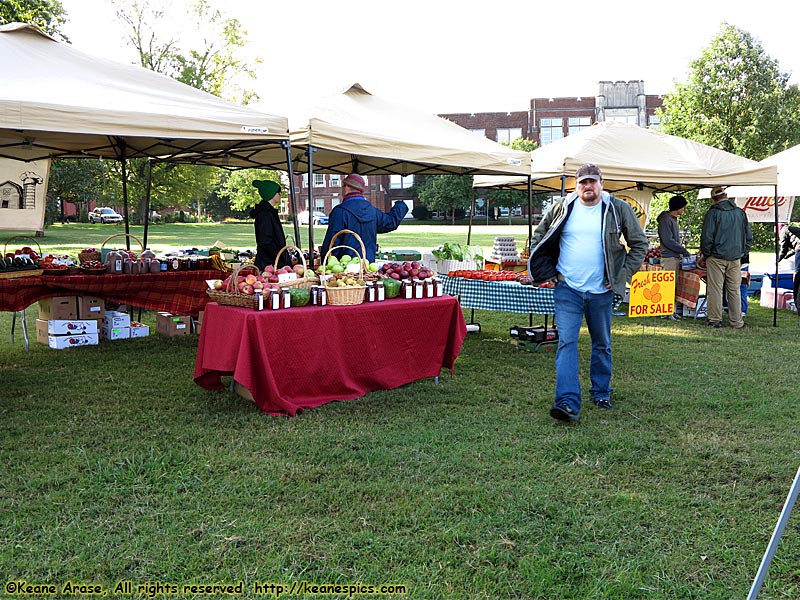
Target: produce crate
[(400, 255)]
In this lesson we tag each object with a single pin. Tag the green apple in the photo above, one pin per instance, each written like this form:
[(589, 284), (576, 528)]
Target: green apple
[(372, 268)]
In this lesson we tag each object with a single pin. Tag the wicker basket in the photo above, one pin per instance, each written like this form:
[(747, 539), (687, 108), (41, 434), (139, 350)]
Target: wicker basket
[(350, 295), (22, 237), (232, 296), (362, 258), (103, 250), (301, 283), (84, 256)]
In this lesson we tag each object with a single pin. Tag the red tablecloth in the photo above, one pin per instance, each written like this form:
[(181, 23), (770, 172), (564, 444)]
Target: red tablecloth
[(303, 357), (178, 292)]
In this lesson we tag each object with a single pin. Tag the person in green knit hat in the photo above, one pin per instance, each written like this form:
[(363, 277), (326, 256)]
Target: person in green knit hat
[(269, 231)]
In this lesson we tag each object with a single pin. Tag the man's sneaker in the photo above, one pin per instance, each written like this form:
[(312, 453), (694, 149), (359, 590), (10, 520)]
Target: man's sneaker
[(563, 412), (714, 324), (604, 403)]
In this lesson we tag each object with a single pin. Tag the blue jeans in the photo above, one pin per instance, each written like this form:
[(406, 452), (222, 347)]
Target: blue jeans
[(571, 308)]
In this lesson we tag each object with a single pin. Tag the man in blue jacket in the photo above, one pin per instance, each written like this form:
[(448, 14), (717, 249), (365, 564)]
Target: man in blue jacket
[(357, 214)]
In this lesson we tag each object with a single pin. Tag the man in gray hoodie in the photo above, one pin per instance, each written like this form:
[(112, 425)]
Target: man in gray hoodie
[(669, 235)]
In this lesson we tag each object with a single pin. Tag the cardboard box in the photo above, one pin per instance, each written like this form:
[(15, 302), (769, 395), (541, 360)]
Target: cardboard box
[(90, 307), (173, 325), (139, 329), (59, 342), (115, 319), (58, 307), (109, 332), (66, 327)]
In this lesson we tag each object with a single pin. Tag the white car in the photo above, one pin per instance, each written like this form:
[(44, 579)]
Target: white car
[(320, 218), (105, 215)]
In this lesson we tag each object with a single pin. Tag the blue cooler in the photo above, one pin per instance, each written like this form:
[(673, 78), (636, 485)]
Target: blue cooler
[(784, 280)]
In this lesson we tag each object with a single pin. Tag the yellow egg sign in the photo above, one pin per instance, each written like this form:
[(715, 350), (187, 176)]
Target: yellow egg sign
[(652, 294)]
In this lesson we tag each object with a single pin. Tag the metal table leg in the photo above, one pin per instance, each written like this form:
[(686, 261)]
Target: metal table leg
[(24, 328)]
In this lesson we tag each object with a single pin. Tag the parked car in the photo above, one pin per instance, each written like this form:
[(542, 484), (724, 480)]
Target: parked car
[(320, 218), (105, 215)]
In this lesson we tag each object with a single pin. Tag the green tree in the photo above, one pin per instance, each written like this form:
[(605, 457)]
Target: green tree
[(238, 188), (447, 193), (48, 15), (736, 99), (75, 180), (215, 68)]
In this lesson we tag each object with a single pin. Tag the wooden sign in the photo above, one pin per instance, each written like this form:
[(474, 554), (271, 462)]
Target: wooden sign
[(652, 294)]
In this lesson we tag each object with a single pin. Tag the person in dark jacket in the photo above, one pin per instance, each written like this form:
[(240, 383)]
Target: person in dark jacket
[(357, 214), (669, 236), (269, 231), (790, 246), (726, 238)]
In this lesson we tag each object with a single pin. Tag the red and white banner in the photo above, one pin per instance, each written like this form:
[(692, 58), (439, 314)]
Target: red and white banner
[(761, 209), (23, 189)]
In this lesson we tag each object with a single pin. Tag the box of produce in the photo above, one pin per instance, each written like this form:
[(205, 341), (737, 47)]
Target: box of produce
[(58, 307)]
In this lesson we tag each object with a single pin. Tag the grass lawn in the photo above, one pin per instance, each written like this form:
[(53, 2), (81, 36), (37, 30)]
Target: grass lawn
[(116, 466), (74, 237)]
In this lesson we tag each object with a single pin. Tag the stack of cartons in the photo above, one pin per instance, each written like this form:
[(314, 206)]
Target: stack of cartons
[(116, 325), (59, 325)]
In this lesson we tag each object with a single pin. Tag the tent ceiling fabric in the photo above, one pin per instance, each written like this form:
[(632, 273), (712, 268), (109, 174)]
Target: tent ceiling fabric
[(60, 102), (788, 164), (629, 156), (358, 131)]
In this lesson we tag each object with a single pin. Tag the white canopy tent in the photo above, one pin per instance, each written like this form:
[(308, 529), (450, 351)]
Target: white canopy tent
[(59, 102), (636, 163), (356, 131), (758, 202), (635, 157)]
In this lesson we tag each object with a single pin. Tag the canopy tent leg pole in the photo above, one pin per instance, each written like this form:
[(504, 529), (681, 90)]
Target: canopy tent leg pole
[(121, 151), (292, 198), (471, 212), (148, 188), (777, 251), (310, 153), (530, 210), (776, 535)]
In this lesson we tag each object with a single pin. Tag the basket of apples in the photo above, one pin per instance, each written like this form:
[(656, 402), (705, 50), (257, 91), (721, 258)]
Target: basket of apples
[(298, 276), (239, 288)]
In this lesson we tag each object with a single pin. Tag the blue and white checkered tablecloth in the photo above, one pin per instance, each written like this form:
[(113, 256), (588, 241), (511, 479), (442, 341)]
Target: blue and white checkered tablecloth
[(505, 296)]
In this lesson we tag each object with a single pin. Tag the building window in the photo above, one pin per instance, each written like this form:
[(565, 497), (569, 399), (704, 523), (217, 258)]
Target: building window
[(550, 130), (366, 180), (576, 124), (400, 182), (654, 121), (335, 180), (319, 180), (508, 135), (622, 115), (305, 180), (480, 132)]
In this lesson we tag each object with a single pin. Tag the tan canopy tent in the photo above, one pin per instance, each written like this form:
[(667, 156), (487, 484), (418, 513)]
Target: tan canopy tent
[(758, 201), (356, 131), (635, 157), (59, 102)]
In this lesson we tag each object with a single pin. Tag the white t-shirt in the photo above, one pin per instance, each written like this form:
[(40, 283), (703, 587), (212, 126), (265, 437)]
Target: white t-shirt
[(580, 258)]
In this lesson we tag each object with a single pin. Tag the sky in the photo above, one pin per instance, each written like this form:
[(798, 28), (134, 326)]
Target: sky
[(455, 56)]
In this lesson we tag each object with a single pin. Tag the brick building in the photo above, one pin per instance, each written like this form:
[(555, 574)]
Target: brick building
[(545, 121), (550, 119)]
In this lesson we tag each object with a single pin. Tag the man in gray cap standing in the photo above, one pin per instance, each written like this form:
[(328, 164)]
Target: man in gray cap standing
[(726, 237), (578, 244)]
